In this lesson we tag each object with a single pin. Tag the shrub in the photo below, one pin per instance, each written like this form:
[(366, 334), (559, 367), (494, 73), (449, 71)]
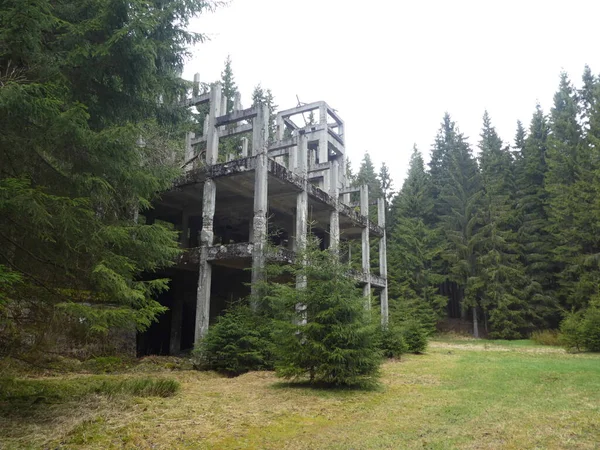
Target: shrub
[(415, 336), (571, 329), (239, 342), (590, 328), (391, 342), (323, 333), (546, 337)]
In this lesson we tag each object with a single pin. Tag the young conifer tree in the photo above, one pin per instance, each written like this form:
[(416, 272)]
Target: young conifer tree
[(323, 333)]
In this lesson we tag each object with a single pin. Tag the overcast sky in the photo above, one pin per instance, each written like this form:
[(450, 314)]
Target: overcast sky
[(392, 68)]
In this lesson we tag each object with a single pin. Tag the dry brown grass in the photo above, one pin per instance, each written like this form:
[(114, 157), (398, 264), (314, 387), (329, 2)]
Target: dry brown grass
[(452, 397)]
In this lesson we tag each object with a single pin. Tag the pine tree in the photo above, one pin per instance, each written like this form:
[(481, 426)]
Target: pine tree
[(229, 87), (412, 246), (565, 167), (91, 132), (501, 278), (457, 203), (534, 241), (329, 338)]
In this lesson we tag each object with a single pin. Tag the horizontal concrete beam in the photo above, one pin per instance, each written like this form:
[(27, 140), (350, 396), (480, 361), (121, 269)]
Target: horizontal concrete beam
[(300, 109), (240, 250), (285, 143), (225, 132), (196, 100), (237, 116)]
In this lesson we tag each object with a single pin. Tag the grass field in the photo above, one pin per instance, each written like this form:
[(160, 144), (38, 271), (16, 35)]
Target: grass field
[(460, 394)]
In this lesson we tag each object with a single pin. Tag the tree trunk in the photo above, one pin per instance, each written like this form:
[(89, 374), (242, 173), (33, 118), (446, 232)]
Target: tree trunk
[(475, 326)]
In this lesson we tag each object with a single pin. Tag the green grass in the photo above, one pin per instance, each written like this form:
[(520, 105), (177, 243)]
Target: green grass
[(460, 394)]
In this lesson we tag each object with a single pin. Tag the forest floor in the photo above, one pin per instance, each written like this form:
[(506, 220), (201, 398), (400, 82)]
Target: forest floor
[(461, 393)]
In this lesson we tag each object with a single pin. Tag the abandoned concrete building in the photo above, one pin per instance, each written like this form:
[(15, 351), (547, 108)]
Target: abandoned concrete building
[(227, 205)]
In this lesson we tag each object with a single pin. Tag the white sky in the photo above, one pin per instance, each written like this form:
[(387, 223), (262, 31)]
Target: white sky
[(392, 68)]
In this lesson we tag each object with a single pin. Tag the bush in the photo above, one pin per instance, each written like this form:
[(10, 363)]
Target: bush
[(391, 342), (590, 329), (323, 333), (415, 336), (239, 342), (546, 337), (572, 331)]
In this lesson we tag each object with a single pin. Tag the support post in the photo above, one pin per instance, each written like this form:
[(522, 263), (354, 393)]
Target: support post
[(196, 88), (383, 295), (244, 147), (205, 272), (212, 133), (189, 149), (366, 263), (259, 225), (334, 217), (176, 318), (184, 238)]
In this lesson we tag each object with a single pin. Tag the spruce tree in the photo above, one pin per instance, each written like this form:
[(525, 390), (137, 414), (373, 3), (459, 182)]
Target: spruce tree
[(322, 333), (534, 240), (457, 205), (412, 246), (91, 131), (501, 278)]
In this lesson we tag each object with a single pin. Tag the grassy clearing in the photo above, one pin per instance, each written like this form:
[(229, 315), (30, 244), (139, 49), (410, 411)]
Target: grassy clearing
[(458, 395)]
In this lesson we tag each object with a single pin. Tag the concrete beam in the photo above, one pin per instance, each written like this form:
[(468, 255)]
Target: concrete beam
[(237, 116)]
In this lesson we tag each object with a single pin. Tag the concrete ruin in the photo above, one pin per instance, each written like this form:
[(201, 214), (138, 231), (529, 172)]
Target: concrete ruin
[(228, 205)]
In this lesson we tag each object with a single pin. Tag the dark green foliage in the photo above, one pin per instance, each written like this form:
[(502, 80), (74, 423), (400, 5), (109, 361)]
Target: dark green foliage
[(91, 132), (415, 336), (391, 342), (239, 342), (323, 333), (581, 330), (571, 329), (19, 391)]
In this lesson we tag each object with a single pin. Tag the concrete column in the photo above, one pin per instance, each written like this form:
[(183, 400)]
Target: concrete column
[(334, 217), (223, 109), (237, 102), (205, 273), (280, 128), (301, 227), (196, 88), (212, 133), (260, 130), (176, 318), (244, 147), (261, 180), (189, 149), (184, 238), (383, 295), (366, 265)]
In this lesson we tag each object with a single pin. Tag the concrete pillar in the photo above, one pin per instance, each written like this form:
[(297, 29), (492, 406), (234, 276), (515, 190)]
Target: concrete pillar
[(205, 272), (212, 133), (224, 101), (280, 128), (244, 147), (237, 102), (301, 221), (261, 180), (176, 317), (196, 88), (184, 238), (366, 264), (383, 295), (260, 130), (334, 217), (189, 149)]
